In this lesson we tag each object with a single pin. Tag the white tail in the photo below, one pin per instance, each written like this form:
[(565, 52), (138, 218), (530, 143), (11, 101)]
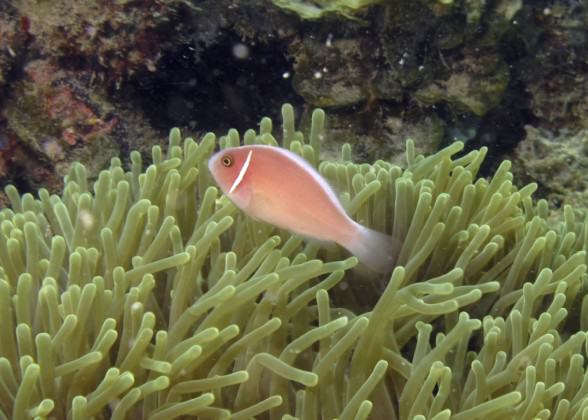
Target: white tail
[(374, 249)]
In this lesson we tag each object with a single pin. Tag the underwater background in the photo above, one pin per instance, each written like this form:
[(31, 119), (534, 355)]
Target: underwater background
[(130, 287)]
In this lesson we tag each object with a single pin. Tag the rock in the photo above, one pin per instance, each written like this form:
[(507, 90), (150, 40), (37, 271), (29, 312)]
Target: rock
[(56, 116), (336, 72), (474, 84), (557, 162)]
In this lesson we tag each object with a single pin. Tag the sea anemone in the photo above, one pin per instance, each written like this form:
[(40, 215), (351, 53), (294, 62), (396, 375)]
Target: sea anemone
[(148, 295)]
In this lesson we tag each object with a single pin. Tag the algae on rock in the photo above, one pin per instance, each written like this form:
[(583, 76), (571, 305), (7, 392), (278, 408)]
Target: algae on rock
[(318, 8), (148, 295)]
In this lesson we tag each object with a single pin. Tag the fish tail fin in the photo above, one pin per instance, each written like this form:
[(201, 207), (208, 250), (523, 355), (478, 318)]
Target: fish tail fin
[(376, 250)]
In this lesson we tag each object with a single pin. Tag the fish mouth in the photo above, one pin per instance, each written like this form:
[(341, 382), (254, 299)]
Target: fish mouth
[(211, 163)]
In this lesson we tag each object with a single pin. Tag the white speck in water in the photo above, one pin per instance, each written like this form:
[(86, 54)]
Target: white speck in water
[(240, 51), (547, 11), (286, 75), (329, 42), (421, 68), (325, 70), (318, 74), (401, 62)]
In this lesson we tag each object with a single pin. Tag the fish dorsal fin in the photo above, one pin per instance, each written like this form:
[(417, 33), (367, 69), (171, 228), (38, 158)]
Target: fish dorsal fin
[(242, 172)]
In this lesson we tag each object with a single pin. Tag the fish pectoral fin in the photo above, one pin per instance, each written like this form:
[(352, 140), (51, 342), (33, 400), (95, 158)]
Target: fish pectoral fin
[(322, 243), (256, 219)]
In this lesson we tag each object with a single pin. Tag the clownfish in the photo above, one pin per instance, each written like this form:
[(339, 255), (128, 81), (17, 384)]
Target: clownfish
[(277, 186)]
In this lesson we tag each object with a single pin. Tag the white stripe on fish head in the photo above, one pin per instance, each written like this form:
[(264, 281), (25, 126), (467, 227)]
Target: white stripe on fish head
[(242, 173)]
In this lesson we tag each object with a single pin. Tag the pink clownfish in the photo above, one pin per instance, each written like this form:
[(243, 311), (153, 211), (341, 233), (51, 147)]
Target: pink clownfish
[(277, 186)]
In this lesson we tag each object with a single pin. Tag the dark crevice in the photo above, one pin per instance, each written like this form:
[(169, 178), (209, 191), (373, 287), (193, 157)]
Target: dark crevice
[(229, 85)]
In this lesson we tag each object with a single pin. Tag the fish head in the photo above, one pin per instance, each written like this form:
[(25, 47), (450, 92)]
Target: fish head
[(229, 167)]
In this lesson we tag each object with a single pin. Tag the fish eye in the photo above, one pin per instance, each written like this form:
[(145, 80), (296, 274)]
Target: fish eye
[(227, 160)]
